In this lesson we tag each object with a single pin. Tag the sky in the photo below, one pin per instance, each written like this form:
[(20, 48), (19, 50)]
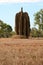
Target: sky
[(21, 1), (9, 8)]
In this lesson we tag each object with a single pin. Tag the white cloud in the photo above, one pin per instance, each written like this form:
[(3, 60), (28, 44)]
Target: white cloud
[(1, 1)]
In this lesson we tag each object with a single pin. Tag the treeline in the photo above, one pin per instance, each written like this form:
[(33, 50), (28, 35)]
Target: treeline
[(37, 30), (5, 30)]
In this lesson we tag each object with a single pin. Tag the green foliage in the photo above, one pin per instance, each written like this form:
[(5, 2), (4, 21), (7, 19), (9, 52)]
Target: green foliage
[(39, 19), (35, 32), (41, 33), (5, 29), (13, 33)]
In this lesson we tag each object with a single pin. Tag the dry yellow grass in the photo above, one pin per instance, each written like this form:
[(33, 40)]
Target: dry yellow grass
[(21, 51)]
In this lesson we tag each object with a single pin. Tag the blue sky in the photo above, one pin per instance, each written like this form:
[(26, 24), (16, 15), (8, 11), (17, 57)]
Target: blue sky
[(9, 10)]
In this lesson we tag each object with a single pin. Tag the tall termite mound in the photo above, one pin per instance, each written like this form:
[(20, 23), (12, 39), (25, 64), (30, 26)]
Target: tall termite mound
[(22, 24)]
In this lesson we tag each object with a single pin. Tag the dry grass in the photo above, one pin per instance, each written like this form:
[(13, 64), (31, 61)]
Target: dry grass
[(21, 51)]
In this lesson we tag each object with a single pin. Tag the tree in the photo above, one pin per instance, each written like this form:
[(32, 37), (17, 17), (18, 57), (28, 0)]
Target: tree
[(35, 32), (5, 29), (39, 19)]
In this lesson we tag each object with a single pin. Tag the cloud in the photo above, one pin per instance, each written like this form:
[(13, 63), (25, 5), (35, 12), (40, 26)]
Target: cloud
[(1, 1)]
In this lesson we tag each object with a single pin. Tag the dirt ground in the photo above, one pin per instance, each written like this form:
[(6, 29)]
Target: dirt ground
[(21, 51)]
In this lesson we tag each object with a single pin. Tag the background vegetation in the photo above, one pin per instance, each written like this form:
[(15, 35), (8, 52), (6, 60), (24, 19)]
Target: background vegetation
[(38, 22), (37, 31), (5, 30)]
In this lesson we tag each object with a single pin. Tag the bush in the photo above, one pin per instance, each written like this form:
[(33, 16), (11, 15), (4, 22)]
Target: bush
[(5, 30)]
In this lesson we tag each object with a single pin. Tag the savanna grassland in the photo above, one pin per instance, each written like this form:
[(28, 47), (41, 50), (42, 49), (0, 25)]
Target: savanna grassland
[(21, 51)]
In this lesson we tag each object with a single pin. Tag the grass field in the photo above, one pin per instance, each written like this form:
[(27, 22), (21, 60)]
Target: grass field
[(21, 51)]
